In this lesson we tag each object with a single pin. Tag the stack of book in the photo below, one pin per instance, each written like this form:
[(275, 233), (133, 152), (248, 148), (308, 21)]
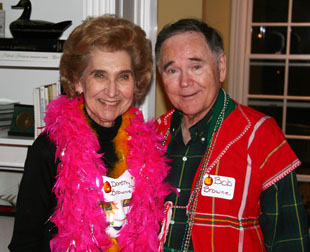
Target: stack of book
[(42, 96), (6, 114)]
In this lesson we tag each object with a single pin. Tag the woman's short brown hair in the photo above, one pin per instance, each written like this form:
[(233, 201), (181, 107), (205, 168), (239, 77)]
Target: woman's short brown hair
[(113, 34)]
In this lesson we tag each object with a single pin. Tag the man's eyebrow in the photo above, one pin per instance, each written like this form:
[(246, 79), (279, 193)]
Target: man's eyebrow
[(195, 59), (167, 65), (171, 62)]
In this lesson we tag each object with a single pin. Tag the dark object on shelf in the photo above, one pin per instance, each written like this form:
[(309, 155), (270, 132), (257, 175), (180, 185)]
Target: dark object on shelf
[(38, 45), (23, 27), (23, 121)]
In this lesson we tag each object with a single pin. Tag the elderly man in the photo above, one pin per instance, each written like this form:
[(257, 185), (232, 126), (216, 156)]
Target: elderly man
[(232, 166)]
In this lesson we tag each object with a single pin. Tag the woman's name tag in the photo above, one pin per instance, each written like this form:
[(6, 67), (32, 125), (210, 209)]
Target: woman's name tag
[(218, 186), (117, 189)]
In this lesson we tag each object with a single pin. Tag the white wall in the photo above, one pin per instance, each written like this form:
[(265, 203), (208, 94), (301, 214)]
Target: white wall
[(6, 229)]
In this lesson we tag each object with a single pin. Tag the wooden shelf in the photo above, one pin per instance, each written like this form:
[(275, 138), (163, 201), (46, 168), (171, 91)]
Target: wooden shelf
[(29, 59), (5, 139)]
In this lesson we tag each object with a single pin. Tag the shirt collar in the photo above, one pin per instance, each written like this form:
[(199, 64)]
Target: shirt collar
[(200, 129)]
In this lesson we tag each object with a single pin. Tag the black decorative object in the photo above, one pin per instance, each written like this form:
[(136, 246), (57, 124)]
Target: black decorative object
[(32, 44), (23, 120), (23, 27)]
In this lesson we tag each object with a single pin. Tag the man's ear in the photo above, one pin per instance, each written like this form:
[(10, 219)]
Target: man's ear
[(221, 62)]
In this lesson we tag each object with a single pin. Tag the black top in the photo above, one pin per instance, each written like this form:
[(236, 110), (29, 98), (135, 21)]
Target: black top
[(36, 200)]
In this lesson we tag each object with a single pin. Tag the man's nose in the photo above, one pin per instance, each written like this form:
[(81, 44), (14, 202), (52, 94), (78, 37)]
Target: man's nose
[(185, 79)]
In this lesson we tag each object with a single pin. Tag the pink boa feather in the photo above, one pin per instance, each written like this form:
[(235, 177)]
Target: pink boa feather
[(81, 222)]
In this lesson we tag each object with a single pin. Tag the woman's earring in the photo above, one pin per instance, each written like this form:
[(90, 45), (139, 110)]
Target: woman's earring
[(79, 95)]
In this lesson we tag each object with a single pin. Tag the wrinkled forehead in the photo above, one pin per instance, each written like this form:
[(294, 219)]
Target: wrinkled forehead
[(184, 47), (183, 36)]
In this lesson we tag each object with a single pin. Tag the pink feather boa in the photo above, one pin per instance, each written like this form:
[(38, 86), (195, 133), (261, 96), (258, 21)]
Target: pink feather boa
[(81, 222)]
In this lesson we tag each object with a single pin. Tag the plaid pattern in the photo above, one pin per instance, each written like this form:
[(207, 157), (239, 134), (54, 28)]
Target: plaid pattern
[(185, 162), (186, 159), (283, 217)]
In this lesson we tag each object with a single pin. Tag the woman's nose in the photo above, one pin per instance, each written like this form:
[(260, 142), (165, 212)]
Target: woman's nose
[(111, 89)]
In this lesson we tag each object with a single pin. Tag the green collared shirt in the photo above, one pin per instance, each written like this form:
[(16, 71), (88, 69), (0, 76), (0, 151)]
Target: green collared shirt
[(281, 204), (186, 159)]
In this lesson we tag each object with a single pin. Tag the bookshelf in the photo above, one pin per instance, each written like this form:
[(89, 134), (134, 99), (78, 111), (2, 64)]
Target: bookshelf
[(29, 59), (22, 64), (20, 73)]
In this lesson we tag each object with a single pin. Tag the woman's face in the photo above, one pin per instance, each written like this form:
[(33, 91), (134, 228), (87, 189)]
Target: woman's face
[(108, 85)]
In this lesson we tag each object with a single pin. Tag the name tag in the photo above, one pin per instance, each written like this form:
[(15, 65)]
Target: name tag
[(118, 189), (218, 187)]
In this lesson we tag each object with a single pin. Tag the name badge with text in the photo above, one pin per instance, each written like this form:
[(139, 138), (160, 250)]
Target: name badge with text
[(118, 189), (218, 186)]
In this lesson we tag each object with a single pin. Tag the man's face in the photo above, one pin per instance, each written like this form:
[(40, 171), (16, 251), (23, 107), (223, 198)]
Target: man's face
[(191, 74)]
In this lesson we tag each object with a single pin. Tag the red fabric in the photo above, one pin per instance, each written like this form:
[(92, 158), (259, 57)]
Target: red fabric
[(252, 149)]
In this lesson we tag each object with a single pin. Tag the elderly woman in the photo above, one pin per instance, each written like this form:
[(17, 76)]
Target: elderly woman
[(93, 180)]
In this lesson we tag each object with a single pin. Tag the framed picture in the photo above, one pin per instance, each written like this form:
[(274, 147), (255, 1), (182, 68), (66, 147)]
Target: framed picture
[(9, 185), (22, 121)]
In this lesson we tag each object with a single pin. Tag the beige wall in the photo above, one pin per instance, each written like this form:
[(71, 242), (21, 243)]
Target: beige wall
[(215, 12), (217, 15)]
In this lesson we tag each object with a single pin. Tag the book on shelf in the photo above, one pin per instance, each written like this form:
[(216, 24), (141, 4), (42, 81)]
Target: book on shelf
[(6, 114), (32, 44), (5, 111), (6, 104), (5, 122), (4, 107), (4, 130), (42, 96), (6, 117)]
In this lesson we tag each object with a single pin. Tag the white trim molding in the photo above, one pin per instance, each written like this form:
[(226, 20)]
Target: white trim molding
[(98, 7), (145, 13), (238, 42)]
